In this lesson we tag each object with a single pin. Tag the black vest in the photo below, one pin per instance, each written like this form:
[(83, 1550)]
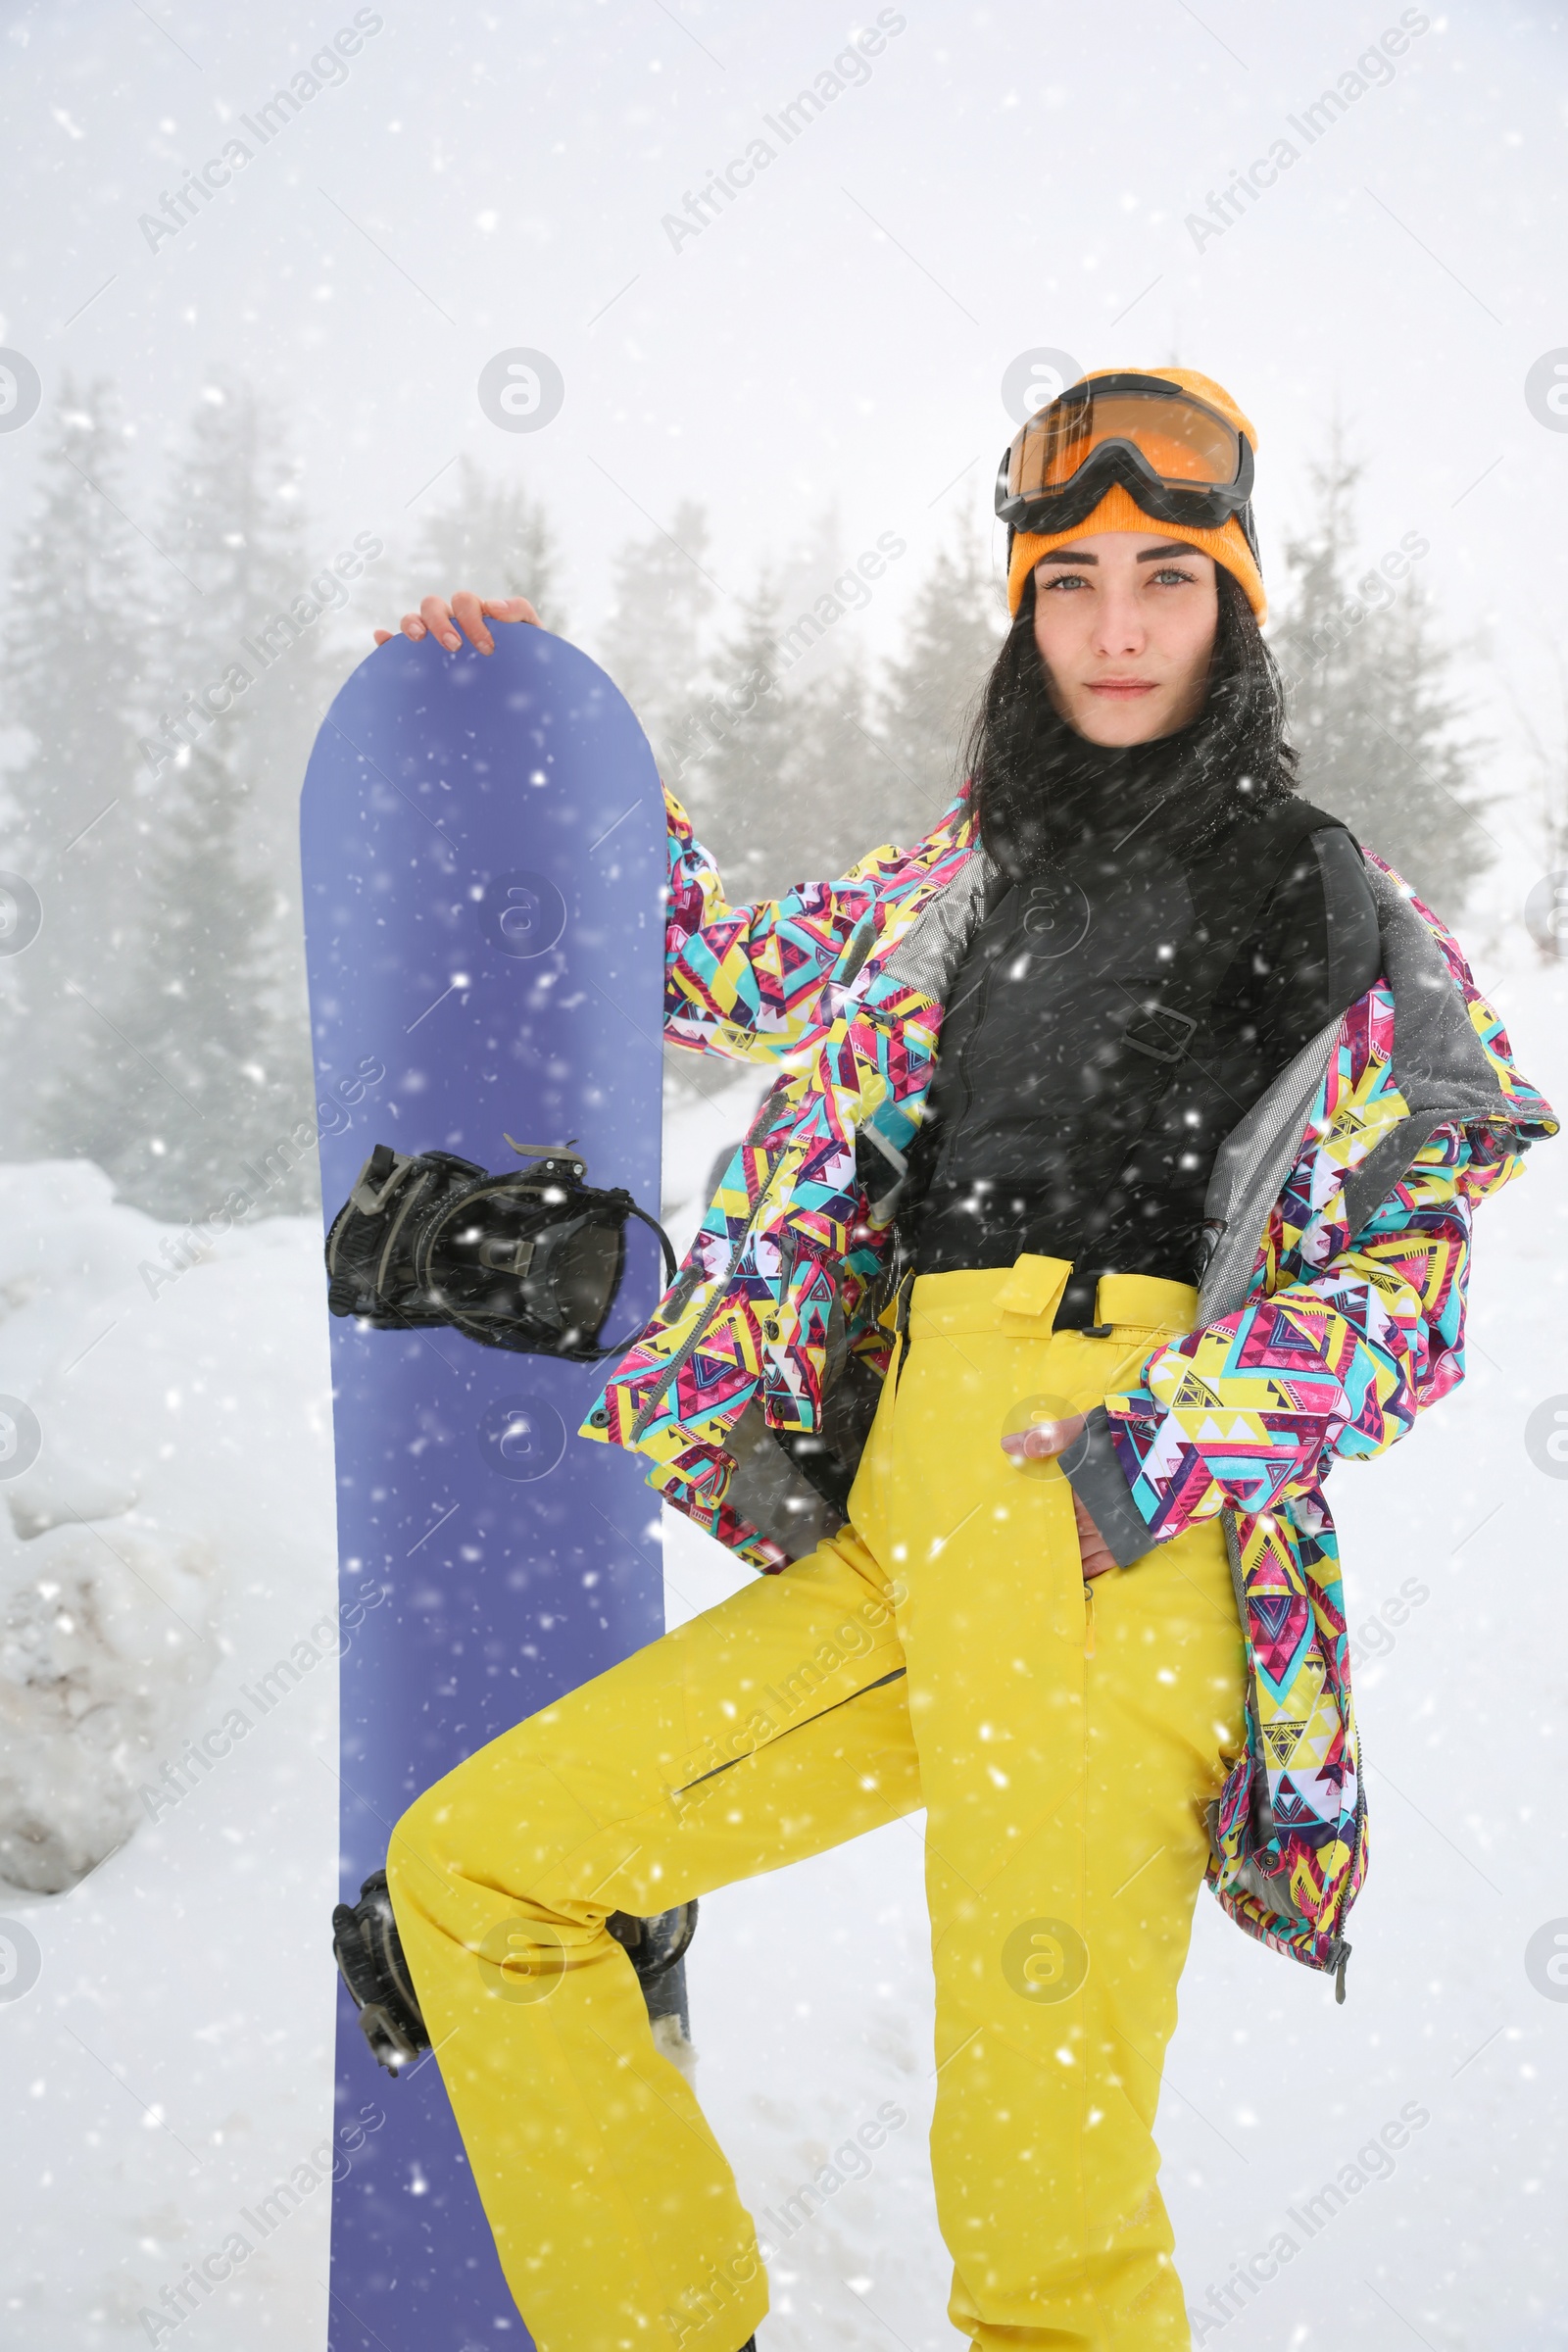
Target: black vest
[(1110, 1025)]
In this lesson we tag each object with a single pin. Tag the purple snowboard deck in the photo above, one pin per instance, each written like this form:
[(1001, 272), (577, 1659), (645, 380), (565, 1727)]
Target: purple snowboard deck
[(482, 844)]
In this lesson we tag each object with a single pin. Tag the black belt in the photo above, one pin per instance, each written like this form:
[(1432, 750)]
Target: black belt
[(1077, 1308), (1075, 1311)]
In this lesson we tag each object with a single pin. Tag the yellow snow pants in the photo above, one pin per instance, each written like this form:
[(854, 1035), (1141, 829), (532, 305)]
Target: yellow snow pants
[(943, 1650)]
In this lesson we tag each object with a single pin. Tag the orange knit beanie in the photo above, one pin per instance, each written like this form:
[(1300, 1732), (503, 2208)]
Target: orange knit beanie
[(1120, 510)]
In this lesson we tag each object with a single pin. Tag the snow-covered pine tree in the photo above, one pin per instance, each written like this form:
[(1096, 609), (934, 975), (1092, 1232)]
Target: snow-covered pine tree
[(211, 976), (845, 796), (72, 647), (780, 773), (805, 572), (840, 773), (184, 1103), (652, 642), (493, 537), (733, 766), (259, 610), (956, 621), (262, 618), (1374, 711)]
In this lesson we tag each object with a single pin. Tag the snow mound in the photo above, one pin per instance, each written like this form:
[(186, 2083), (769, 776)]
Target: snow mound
[(105, 1636), (113, 1542)]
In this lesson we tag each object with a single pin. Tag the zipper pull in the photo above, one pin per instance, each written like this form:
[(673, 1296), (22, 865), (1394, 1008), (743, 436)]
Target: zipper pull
[(1089, 1619), (1339, 1970)]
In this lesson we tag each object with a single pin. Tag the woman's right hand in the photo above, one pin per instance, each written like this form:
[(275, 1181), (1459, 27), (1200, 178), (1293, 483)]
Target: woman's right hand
[(435, 618)]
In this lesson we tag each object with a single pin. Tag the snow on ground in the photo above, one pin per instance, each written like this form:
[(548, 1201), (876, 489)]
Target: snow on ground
[(172, 2058)]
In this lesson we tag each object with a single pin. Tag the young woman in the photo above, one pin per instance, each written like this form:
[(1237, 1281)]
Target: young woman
[(1117, 1181)]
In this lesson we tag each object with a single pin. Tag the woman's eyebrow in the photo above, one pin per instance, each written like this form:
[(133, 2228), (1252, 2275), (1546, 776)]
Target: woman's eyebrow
[(1145, 555)]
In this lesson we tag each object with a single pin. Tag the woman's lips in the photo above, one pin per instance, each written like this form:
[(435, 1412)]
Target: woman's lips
[(1122, 689)]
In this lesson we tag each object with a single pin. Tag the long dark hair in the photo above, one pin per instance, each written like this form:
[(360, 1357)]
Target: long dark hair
[(1040, 789)]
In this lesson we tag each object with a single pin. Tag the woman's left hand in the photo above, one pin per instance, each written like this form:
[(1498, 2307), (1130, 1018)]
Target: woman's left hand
[(1040, 1445), (1091, 1543)]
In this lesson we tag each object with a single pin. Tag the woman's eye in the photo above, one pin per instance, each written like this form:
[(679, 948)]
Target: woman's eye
[(1169, 576), (1065, 579)]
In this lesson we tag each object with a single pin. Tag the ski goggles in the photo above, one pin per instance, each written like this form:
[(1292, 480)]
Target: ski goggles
[(1184, 461)]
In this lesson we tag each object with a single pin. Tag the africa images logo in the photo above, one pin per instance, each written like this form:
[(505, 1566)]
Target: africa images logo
[(327, 70), (850, 70), (1373, 71)]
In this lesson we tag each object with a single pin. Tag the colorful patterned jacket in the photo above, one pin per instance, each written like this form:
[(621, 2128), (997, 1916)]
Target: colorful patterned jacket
[(1331, 1313)]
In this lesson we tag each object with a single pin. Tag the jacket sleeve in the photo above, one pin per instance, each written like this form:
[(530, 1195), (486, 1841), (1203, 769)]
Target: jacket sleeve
[(1334, 1364), (745, 980)]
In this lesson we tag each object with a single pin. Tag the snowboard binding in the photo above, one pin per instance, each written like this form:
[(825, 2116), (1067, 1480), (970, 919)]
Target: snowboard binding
[(370, 1956), (529, 1260), (368, 1952)]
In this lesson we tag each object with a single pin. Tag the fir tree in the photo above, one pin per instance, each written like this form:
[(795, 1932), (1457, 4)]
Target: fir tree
[(786, 781), (72, 651), (262, 618), (652, 642), (173, 1041), (955, 625), (1373, 716), (733, 769), (849, 793), (255, 612), (494, 538), (793, 764), (182, 1107), (247, 671)]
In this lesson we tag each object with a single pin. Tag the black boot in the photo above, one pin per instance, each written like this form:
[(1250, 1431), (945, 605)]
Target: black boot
[(369, 1957), (656, 1951)]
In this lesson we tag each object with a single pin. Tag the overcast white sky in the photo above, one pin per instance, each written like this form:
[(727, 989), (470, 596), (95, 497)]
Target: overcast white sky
[(1004, 178)]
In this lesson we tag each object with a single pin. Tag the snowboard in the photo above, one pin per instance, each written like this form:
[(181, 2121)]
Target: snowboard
[(483, 846)]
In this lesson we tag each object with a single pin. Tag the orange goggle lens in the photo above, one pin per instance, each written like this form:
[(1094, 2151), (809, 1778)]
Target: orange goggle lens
[(1181, 442)]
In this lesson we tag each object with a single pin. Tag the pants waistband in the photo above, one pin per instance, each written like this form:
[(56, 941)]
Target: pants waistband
[(1022, 1298)]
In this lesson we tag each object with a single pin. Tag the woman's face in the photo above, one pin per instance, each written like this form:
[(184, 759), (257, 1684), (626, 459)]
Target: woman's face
[(1125, 626)]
